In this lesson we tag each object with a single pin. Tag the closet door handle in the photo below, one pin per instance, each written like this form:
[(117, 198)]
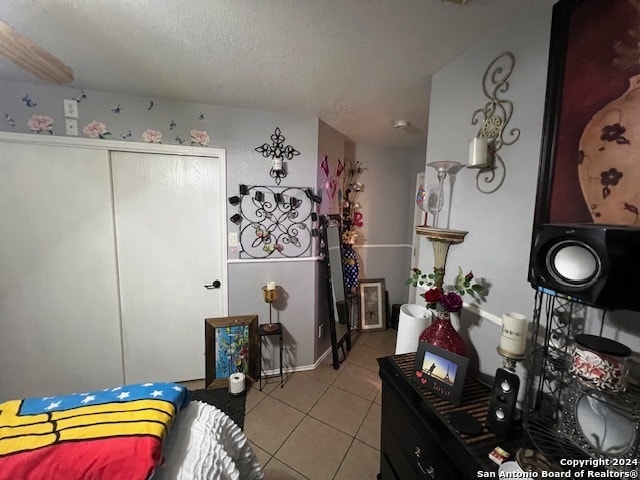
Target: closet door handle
[(214, 285)]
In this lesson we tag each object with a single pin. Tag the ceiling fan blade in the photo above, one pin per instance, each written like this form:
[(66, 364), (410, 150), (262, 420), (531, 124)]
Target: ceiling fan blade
[(32, 57)]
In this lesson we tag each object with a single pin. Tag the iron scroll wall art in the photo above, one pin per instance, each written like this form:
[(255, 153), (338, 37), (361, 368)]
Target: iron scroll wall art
[(494, 117), (275, 222)]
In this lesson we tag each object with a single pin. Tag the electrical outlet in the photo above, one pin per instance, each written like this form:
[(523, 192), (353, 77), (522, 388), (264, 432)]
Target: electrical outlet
[(70, 108), (72, 126), (233, 239)]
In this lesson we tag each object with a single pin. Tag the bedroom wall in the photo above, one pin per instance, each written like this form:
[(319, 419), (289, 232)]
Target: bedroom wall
[(499, 224), (238, 131), (385, 238)]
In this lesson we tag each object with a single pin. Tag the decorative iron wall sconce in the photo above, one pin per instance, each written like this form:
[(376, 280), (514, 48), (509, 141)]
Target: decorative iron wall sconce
[(493, 119), (277, 151)]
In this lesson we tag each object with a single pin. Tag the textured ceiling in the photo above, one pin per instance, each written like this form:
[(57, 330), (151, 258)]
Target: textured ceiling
[(358, 65)]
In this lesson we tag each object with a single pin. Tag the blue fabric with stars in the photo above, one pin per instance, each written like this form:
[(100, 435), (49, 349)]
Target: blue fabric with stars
[(170, 392)]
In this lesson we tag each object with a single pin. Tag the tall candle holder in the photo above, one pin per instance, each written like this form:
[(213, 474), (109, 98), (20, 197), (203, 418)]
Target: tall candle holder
[(270, 295), (509, 360)]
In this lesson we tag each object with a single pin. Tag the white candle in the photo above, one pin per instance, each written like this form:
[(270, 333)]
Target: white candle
[(277, 164), (513, 338), (271, 285), (478, 150)]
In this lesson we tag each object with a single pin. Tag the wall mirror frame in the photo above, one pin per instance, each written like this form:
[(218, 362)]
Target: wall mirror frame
[(339, 300)]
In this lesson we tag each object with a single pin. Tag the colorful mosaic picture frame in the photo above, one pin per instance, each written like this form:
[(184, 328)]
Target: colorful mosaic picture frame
[(231, 346)]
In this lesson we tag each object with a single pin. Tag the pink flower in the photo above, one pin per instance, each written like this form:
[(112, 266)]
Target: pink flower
[(200, 137), (40, 123), (152, 136), (96, 129)]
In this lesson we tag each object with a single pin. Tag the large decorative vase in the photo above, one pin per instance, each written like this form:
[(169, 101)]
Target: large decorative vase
[(442, 334), (608, 167), (351, 268)]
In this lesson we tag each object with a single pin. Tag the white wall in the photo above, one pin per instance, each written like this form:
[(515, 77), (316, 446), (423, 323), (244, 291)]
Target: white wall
[(388, 202), (499, 224)]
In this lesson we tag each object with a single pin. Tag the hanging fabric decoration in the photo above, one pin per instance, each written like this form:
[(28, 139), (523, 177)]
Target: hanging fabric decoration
[(325, 166)]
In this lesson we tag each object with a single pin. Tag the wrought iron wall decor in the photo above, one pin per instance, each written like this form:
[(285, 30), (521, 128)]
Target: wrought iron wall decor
[(277, 151), (275, 221), (494, 117)]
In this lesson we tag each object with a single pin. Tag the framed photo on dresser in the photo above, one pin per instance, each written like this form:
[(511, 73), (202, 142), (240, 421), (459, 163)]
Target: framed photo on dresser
[(440, 371)]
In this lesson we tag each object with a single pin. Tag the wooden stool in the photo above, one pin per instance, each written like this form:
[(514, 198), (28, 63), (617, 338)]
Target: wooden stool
[(267, 333)]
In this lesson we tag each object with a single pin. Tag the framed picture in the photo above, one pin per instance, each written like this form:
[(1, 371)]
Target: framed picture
[(373, 307), (591, 127), (440, 371), (231, 346)]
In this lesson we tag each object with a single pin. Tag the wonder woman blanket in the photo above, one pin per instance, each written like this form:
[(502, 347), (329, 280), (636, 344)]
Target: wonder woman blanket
[(112, 434)]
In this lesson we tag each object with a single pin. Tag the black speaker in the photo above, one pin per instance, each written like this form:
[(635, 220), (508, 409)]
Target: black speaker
[(502, 404), (589, 263)]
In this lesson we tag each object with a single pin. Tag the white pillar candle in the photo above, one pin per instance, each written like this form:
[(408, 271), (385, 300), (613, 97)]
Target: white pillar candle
[(478, 152), (513, 338), (271, 285), (277, 164)]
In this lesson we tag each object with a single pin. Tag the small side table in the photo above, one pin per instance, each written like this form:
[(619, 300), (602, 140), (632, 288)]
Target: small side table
[(265, 333)]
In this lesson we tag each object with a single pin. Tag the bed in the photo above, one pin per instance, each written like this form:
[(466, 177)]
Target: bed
[(150, 431)]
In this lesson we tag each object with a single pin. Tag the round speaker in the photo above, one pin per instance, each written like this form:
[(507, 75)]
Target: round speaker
[(573, 263)]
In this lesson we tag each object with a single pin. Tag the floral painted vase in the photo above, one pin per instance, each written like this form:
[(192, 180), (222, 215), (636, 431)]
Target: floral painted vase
[(442, 334), (608, 165)]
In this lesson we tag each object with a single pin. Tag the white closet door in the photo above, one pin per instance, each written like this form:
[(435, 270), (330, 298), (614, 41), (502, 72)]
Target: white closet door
[(169, 213), (59, 316)]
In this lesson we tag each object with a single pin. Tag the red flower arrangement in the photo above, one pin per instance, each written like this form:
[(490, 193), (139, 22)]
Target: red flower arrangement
[(440, 300)]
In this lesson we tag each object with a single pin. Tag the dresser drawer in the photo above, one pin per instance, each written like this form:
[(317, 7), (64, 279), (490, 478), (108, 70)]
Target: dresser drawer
[(412, 439)]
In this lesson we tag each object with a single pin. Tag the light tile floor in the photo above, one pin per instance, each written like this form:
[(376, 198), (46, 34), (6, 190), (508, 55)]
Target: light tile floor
[(323, 424)]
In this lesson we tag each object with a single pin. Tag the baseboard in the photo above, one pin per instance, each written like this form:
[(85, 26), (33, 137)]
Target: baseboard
[(302, 368)]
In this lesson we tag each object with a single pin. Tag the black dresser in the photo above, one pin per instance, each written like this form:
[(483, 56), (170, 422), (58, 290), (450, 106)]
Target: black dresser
[(418, 442)]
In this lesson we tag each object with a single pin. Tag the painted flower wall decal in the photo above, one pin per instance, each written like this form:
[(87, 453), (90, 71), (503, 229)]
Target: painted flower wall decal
[(200, 137), (152, 136), (40, 123), (96, 129)]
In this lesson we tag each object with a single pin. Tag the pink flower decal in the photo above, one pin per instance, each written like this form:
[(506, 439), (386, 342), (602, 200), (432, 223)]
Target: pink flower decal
[(40, 123), (200, 137), (96, 129), (152, 136)]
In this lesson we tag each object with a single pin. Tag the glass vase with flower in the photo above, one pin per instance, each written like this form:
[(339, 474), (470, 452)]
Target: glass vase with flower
[(442, 302)]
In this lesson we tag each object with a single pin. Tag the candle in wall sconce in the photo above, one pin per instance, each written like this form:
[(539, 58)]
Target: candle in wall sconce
[(478, 153), (277, 164), (271, 285), (513, 339)]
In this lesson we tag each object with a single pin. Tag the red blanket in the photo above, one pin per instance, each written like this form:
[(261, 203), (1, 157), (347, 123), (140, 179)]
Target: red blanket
[(112, 434)]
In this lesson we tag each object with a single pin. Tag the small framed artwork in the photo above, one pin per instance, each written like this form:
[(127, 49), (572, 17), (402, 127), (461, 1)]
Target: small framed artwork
[(440, 371), (231, 346), (373, 308)]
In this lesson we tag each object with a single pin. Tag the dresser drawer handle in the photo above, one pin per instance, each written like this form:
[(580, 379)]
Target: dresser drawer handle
[(429, 471)]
